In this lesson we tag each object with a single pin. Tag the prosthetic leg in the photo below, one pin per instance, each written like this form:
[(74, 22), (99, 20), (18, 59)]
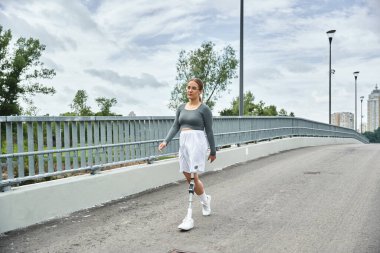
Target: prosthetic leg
[(188, 222)]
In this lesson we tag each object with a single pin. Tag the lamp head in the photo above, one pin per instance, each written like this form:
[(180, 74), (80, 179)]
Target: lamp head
[(330, 34), (356, 73)]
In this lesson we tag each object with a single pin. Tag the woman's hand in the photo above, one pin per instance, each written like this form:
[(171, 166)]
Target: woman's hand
[(162, 146), (211, 158)]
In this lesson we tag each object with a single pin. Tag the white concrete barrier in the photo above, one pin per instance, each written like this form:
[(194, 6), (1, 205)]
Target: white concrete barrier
[(27, 205)]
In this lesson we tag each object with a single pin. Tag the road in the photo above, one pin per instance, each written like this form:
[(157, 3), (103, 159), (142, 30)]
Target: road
[(318, 199)]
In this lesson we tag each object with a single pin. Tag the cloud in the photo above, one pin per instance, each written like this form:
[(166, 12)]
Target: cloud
[(160, 23), (298, 66), (49, 63), (14, 18), (374, 7), (112, 47), (92, 5), (264, 73), (123, 97), (146, 80)]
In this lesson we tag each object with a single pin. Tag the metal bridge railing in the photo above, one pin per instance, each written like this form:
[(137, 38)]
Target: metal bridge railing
[(33, 148)]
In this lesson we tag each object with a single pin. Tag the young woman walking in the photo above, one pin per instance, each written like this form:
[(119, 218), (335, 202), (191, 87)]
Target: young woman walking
[(193, 119)]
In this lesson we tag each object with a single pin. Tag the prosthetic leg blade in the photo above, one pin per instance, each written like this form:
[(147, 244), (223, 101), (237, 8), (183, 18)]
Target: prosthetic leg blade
[(188, 222)]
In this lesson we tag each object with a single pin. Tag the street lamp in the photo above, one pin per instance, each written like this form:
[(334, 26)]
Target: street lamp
[(330, 34), (361, 114), (241, 92), (356, 73)]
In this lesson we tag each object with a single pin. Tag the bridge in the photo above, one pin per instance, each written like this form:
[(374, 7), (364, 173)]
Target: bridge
[(319, 198)]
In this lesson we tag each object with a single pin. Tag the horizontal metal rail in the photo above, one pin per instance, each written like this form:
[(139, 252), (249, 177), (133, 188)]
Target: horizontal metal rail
[(52, 151), (34, 148)]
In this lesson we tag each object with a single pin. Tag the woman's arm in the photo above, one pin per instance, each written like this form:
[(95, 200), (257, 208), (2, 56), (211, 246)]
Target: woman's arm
[(207, 117), (175, 127)]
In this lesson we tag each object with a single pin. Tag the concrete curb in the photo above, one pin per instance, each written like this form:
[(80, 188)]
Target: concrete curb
[(31, 204)]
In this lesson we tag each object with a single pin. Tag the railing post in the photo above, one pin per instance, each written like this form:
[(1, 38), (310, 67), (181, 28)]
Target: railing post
[(20, 149), (115, 139), (40, 141), (1, 152), (9, 139), (58, 144), (49, 141), (74, 136), (96, 170), (31, 148), (109, 141), (103, 141), (82, 139), (89, 143), (66, 137), (121, 139)]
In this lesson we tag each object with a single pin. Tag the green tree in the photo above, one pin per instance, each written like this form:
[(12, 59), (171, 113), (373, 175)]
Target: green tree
[(79, 105), (68, 114), (270, 110), (20, 72), (105, 105), (215, 69), (282, 112), (251, 108), (373, 137)]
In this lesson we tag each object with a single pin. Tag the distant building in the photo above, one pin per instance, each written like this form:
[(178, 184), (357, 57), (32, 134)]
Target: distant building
[(373, 110), (343, 119), (335, 119)]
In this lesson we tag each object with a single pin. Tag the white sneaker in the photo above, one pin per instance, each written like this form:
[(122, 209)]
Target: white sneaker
[(206, 207), (187, 224)]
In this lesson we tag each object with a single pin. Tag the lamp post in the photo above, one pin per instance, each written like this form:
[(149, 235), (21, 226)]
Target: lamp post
[(361, 114), (330, 35), (356, 73), (241, 93)]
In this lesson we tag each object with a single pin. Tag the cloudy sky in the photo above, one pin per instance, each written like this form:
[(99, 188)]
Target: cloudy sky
[(129, 49)]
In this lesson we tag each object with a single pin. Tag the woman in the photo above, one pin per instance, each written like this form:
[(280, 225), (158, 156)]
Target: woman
[(193, 119)]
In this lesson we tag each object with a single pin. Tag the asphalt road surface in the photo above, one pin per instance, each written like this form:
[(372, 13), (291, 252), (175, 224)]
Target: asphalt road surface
[(319, 199)]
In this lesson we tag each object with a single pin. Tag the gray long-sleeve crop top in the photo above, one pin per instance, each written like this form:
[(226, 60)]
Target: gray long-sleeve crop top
[(198, 119)]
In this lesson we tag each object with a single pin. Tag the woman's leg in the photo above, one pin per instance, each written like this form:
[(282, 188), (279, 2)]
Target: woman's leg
[(199, 188), (200, 191)]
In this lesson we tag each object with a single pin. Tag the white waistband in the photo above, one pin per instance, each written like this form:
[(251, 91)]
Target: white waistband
[(192, 131)]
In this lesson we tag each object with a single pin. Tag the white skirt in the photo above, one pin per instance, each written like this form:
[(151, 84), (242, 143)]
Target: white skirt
[(193, 148)]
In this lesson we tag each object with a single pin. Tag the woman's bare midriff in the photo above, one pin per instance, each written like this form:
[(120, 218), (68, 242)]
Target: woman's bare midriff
[(186, 129)]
